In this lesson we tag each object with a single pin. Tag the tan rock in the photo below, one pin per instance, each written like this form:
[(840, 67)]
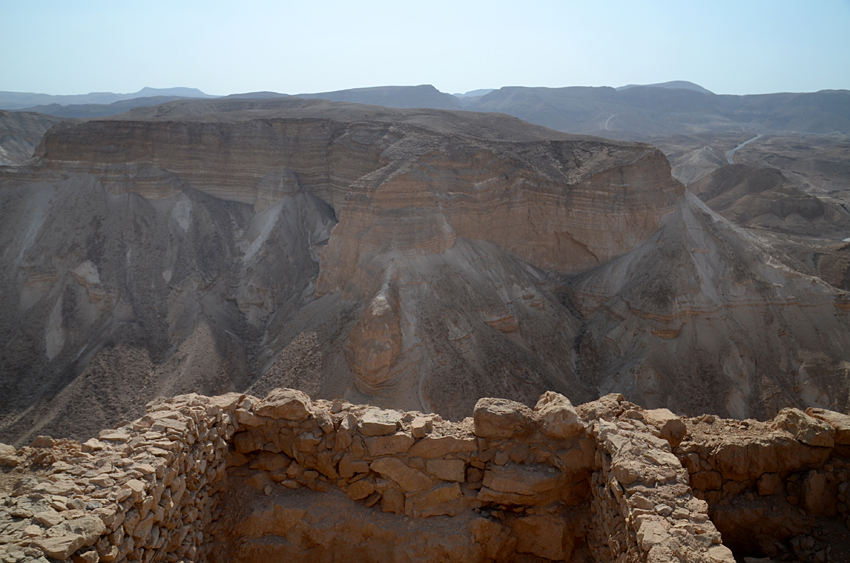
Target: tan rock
[(408, 479), (377, 422), (360, 489), (392, 500), (89, 556), (48, 518), (60, 546), (500, 418), (392, 444), (8, 456), (671, 427), (840, 422), (441, 446), (815, 493), (420, 426), (442, 500), (556, 416), (544, 536), (805, 428), (447, 469), (286, 404)]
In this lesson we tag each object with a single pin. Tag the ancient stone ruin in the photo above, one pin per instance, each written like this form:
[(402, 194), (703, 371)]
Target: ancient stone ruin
[(236, 478)]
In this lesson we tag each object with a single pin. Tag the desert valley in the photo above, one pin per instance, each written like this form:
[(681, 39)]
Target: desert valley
[(522, 324)]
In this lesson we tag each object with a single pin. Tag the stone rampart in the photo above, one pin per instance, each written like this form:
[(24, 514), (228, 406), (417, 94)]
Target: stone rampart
[(236, 478)]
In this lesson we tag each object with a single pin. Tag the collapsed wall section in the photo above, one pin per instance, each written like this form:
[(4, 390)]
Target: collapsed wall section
[(236, 478)]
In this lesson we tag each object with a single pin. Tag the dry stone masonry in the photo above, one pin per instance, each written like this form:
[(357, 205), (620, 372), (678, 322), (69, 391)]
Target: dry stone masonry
[(236, 478)]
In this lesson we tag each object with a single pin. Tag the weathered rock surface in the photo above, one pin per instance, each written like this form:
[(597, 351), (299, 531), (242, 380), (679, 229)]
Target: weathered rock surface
[(20, 134), (411, 259)]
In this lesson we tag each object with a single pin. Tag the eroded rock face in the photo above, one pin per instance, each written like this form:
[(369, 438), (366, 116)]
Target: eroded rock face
[(410, 259)]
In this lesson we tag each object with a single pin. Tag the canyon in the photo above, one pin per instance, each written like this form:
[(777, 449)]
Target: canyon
[(411, 259)]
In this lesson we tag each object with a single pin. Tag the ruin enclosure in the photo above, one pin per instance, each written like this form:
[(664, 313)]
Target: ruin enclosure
[(236, 478)]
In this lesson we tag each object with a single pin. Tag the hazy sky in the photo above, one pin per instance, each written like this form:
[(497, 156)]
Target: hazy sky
[(740, 47)]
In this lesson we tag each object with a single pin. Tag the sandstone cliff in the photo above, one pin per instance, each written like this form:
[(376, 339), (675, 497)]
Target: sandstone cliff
[(411, 259)]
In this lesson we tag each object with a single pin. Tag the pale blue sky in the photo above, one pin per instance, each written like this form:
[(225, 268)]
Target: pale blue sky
[(739, 47)]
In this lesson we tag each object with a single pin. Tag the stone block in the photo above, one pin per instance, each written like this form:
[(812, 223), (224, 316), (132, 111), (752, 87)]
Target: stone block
[(286, 404), (556, 416), (446, 469), (500, 418)]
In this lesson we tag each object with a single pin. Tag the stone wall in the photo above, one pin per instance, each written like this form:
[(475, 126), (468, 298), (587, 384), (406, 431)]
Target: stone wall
[(236, 478)]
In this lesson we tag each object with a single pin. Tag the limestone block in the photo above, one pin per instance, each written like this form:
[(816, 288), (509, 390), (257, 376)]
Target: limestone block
[(556, 416), (48, 518), (441, 446), (446, 469), (544, 536), (60, 546), (840, 422), (815, 493), (442, 500), (393, 444), (671, 427), (420, 426), (500, 418), (377, 422), (409, 479), (360, 489), (805, 428), (286, 404)]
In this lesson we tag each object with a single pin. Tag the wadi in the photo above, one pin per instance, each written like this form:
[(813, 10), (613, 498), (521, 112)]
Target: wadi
[(245, 311)]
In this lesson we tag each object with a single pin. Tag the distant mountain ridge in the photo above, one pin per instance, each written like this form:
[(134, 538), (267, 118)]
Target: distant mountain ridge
[(21, 100), (673, 84)]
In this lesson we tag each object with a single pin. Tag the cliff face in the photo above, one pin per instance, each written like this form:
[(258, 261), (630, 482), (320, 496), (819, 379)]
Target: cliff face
[(20, 133), (415, 259)]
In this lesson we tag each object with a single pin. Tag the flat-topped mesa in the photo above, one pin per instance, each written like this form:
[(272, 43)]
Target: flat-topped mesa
[(407, 180), (236, 478)]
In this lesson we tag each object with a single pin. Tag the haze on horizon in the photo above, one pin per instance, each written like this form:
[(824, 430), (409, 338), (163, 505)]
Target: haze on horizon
[(728, 47)]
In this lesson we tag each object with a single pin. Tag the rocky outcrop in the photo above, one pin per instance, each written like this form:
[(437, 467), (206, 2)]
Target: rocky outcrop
[(20, 134), (236, 478)]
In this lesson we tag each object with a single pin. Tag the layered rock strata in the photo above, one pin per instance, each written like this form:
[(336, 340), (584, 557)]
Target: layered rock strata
[(236, 478), (409, 259)]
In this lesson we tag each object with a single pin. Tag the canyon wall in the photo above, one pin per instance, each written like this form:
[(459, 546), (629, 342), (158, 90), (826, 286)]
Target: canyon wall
[(409, 259), (236, 478)]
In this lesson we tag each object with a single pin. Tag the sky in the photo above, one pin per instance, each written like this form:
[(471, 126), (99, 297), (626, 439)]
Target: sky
[(729, 47)]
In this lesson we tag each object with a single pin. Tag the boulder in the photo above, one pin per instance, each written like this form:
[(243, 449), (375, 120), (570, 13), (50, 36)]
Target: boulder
[(286, 404), (8, 456), (804, 428), (840, 422), (671, 427), (556, 416), (377, 422), (500, 418)]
